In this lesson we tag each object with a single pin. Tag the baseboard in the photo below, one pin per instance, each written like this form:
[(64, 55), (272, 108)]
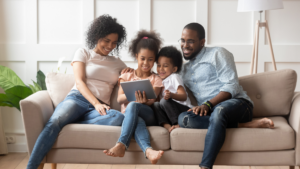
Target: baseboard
[(17, 148)]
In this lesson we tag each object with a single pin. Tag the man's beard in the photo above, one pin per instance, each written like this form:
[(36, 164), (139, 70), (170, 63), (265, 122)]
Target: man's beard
[(193, 55)]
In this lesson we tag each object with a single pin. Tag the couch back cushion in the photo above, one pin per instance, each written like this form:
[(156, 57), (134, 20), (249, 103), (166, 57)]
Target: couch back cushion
[(59, 85), (271, 92)]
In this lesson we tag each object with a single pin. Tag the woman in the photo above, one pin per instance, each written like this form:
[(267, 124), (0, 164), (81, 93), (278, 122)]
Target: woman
[(96, 73)]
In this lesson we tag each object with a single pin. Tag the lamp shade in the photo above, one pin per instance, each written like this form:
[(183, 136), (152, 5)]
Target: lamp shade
[(258, 5)]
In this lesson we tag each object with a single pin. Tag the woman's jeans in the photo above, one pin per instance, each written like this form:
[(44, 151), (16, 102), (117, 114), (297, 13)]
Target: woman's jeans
[(226, 114), (137, 117), (74, 109)]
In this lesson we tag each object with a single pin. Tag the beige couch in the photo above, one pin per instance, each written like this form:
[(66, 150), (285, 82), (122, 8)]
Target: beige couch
[(272, 93)]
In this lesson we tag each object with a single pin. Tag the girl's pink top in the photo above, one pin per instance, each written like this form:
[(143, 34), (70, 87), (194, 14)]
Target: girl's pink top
[(155, 80)]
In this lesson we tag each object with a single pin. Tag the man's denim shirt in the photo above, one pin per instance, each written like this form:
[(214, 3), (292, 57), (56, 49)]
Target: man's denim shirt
[(210, 72)]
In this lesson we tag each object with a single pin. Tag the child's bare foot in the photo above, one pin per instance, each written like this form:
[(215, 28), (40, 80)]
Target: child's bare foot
[(261, 123), (154, 155), (167, 126), (117, 151), (174, 127)]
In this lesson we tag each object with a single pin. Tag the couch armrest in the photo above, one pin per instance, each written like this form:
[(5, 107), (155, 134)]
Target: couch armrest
[(294, 121), (36, 110)]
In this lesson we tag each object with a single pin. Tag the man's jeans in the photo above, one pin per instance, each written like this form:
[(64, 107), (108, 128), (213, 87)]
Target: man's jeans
[(137, 117), (74, 109), (226, 114)]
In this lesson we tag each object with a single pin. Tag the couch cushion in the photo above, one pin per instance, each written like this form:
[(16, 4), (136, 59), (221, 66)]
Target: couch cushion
[(271, 92), (241, 139), (59, 85), (88, 136)]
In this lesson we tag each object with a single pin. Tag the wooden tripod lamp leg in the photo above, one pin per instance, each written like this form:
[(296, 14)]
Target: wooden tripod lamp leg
[(271, 47), (256, 46), (253, 53)]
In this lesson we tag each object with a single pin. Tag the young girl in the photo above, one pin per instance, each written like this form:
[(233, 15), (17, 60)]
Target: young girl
[(174, 97), (139, 114)]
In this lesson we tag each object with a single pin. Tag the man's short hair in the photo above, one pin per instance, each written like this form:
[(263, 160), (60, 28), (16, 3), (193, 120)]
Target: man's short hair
[(198, 28)]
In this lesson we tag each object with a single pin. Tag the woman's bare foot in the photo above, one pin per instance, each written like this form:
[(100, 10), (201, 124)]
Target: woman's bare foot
[(261, 123), (167, 126), (117, 151), (154, 155), (174, 127)]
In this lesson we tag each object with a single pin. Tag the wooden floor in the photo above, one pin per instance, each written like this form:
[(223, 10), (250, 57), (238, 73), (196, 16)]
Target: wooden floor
[(20, 160)]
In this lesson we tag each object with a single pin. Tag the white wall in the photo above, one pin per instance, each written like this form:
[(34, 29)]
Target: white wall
[(34, 34)]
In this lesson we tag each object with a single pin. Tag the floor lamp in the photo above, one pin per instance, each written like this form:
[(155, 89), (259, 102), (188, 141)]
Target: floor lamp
[(259, 5)]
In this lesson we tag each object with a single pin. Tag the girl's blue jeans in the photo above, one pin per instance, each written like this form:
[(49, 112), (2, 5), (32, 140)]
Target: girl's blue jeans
[(74, 109), (137, 117)]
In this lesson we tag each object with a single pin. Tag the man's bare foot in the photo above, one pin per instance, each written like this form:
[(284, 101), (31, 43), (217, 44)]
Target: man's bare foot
[(174, 127), (117, 151), (154, 155), (261, 123), (167, 126)]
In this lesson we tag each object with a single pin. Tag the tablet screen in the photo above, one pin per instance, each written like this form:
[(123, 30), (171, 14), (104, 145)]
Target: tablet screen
[(130, 87)]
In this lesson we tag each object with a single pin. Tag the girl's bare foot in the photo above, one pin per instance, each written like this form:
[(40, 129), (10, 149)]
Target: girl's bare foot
[(117, 151), (174, 127), (167, 126), (154, 155), (261, 123)]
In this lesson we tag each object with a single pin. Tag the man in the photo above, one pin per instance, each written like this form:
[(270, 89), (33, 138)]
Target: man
[(222, 103)]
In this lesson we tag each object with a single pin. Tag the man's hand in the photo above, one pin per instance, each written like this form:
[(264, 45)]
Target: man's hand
[(127, 70), (201, 110), (168, 95), (101, 108), (141, 98)]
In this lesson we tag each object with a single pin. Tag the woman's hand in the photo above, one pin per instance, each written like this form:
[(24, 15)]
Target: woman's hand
[(168, 95), (101, 108), (141, 98), (127, 70), (201, 110)]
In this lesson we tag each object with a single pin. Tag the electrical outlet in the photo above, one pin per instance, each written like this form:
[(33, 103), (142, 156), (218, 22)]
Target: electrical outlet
[(10, 139)]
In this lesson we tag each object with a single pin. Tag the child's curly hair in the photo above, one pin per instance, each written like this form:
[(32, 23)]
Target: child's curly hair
[(174, 54), (145, 40), (103, 26)]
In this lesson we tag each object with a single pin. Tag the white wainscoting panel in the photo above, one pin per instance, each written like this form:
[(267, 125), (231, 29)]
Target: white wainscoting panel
[(50, 66), (12, 22), (12, 120), (243, 68), (127, 14), (284, 24), (60, 22), (285, 65), (226, 25), (170, 16)]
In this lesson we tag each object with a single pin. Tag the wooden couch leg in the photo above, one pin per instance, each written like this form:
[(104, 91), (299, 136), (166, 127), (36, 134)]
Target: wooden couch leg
[(41, 166), (53, 165), (292, 167)]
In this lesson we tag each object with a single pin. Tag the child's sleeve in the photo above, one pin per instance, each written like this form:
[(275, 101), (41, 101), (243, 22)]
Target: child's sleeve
[(177, 81), (125, 77), (158, 82)]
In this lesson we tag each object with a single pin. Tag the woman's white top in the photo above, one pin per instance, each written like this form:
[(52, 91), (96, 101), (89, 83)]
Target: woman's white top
[(172, 83), (102, 72)]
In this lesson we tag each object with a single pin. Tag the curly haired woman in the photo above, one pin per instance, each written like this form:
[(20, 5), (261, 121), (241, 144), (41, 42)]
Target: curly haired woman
[(96, 73)]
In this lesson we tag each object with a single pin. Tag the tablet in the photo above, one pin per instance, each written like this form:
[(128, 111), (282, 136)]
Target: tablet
[(130, 87)]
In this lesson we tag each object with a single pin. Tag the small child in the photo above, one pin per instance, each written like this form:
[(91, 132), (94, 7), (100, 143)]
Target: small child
[(174, 97)]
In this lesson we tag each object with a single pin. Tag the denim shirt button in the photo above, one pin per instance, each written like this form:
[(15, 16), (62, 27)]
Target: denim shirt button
[(258, 96)]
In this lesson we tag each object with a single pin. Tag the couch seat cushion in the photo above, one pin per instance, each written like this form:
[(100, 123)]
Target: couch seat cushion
[(88, 136), (238, 139)]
